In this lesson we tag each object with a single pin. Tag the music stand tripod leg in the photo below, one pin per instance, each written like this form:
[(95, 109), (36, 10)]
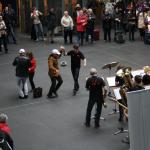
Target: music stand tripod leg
[(115, 111), (121, 131)]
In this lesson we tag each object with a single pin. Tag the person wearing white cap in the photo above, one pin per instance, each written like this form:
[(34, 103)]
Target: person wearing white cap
[(22, 64), (97, 93), (54, 73)]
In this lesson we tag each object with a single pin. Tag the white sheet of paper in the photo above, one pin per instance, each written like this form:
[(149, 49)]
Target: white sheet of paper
[(111, 80)]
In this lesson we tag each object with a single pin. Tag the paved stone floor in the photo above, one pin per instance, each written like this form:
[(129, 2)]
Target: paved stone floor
[(57, 124)]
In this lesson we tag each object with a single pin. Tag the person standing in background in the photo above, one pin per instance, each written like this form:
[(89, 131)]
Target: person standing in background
[(10, 20), (107, 21), (81, 26), (3, 35), (90, 25), (141, 25), (35, 14), (67, 23), (51, 24)]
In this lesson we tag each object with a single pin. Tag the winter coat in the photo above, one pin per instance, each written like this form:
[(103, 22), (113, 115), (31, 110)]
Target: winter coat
[(4, 127), (51, 20), (33, 65), (81, 23), (22, 64)]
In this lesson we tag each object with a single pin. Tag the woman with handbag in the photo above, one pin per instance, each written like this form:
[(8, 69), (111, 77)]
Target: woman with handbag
[(67, 23), (3, 34)]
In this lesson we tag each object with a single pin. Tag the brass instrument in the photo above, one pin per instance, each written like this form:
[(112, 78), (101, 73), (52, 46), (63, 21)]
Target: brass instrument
[(125, 73)]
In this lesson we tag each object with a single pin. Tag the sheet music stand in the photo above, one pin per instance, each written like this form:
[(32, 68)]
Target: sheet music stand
[(109, 66)]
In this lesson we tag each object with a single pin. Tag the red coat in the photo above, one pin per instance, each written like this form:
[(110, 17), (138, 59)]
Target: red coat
[(33, 66), (81, 23), (4, 127)]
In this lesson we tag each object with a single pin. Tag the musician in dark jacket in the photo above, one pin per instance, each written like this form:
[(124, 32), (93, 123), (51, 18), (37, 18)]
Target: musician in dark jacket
[(107, 20), (97, 92), (22, 64), (137, 84)]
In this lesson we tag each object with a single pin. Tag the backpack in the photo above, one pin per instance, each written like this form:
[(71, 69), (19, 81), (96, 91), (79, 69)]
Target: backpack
[(4, 145), (120, 38)]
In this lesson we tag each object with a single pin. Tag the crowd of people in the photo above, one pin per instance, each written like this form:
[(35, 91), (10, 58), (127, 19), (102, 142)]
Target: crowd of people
[(116, 16), (81, 23), (8, 21)]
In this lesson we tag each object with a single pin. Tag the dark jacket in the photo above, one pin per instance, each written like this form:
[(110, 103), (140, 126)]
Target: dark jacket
[(9, 18), (51, 20), (90, 22), (95, 86), (22, 64), (107, 20), (4, 139)]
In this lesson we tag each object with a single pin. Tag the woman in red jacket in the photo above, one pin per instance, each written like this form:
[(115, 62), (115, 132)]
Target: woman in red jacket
[(5, 131), (81, 26), (32, 69)]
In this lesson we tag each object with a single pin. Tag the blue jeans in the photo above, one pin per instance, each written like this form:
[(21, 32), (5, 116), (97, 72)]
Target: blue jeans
[(39, 31), (80, 38)]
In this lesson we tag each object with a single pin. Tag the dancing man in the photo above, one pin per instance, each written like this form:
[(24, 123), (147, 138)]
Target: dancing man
[(54, 74), (76, 57)]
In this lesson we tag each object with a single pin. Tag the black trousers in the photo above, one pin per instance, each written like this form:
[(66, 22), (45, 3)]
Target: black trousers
[(107, 34), (75, 74), (91, 33), (131, 32), (31, 76), (91, 103), (66, 34), (56, 83), (3, 40)]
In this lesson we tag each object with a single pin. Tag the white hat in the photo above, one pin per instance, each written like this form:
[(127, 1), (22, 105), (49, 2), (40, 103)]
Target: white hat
[(55, 51), (22, 51), (93, 71)]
